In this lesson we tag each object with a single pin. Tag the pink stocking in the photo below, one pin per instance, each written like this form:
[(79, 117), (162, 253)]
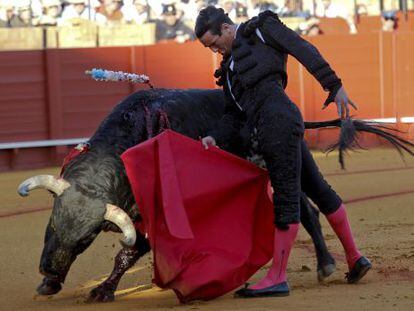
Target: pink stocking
[(340, 224), (283, 242)]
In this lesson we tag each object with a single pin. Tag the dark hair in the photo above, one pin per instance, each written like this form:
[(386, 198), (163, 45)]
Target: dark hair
[(211, 18), (169, 9)]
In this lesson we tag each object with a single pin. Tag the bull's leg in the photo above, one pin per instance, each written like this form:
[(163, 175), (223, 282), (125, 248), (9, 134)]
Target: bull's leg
[(49, 286), (309, 217), (125, 259)]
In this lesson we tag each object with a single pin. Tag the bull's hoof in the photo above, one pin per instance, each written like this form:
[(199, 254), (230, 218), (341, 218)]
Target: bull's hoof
[(325, 271), (49, 287), (101, 294)]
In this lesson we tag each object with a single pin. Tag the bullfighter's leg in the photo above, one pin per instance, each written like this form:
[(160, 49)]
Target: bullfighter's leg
[(309, 217), (277, 115), (125, 259), (330, 204)]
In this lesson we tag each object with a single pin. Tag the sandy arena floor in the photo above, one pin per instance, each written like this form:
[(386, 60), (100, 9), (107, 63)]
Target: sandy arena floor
[(377, 185)]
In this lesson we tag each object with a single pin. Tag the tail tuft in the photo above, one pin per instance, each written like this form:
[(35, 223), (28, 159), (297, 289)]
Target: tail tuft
[(349, 135)]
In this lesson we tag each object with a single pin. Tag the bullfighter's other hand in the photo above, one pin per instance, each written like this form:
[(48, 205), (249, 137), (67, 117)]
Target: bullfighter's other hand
[(208, 141), (342, 102)]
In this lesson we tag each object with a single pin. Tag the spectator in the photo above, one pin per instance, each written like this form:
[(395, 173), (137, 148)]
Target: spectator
[(76, 10), (288, 9), (51, 11), (253, 8), (332, 10), (362, 10), (257, 6), (241, 14), (95, 4), (6, 12), (138, 13), (110, 13), (200, 4), (389, 21), (229, 7), (268, 5), (188, 10), (291, 8), (37, 8), (310, 28), (156, 8), (171, 27), (23, 18)]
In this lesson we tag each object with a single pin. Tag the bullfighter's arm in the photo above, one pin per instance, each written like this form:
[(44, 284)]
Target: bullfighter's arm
[(283, 38)]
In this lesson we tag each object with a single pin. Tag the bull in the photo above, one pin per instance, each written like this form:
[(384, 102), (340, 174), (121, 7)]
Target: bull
[(93, 193)]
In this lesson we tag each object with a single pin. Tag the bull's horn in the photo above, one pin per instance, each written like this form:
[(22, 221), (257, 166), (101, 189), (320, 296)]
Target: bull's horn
[(123, 221), (48, 182)]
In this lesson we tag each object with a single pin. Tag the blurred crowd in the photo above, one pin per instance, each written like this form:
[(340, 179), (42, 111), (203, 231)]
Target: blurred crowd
[(174, 18)]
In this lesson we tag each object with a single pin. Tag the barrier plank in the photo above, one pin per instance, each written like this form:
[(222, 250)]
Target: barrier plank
[(174, 65), (367, 24), (22, 100), (77, 35), (333, 26), (85, 102), (21, 39), (45, 94), (404, 74), (405, 22), (147, 32), (127, 35), (356, 61)]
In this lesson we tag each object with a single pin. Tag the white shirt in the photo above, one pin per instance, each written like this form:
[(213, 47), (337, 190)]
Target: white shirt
[(333, 10), (69, 13)]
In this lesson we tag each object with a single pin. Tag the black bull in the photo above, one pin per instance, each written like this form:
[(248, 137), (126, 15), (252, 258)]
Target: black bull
[(95, 181)]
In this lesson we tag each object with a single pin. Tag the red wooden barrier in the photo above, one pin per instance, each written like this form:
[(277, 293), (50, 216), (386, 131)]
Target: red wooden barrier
[(23, 93), (45, 94), (334, 26), (368, 24), (405, 23)]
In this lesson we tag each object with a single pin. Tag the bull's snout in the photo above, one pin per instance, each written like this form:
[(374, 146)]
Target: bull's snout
[(55, 261), (53, 277)]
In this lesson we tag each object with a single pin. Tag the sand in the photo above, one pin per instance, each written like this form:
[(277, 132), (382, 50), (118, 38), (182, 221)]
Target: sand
[(377, 184)]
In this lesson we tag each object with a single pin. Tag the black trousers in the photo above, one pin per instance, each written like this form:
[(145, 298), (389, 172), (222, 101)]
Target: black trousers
[(291, 166), (315, 186)]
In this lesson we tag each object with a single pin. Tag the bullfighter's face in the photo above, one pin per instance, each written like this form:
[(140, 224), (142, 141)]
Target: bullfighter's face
[(220, 43)]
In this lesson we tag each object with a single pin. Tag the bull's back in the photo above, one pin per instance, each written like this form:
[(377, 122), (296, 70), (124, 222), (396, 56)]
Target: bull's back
[(194, 112), (191, 112)]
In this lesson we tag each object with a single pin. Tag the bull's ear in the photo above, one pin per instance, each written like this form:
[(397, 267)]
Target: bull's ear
[(55, 185)]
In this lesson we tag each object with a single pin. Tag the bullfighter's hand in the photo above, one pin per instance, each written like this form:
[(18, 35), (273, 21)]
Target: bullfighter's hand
[(343, 102), (208, 141)]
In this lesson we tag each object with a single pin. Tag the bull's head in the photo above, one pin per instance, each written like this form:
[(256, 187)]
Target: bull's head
[(75, 222)]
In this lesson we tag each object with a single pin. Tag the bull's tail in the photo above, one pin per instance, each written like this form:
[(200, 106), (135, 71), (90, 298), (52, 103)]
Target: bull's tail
[(348, 138)]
